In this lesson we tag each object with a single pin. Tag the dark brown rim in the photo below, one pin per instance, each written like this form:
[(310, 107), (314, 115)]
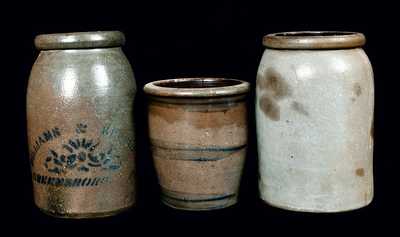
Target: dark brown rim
[(80, 40), (314, 40), (197, 87)]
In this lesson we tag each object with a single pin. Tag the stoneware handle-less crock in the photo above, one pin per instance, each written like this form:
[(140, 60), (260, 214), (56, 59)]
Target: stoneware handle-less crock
[(198, 132), (314, 112)]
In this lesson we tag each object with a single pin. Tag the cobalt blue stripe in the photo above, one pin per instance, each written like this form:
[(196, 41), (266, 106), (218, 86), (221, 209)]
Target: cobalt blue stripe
[(198, 159), (218, 198), (211, 149)]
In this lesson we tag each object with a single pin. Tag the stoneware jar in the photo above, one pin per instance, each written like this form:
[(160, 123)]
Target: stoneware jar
[(80, 126), (314, 112), (198, 133)]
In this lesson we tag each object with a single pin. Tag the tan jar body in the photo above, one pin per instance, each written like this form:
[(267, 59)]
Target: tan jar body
[(80, 125)]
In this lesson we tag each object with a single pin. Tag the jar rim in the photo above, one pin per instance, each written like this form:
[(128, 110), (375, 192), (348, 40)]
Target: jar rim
[(197, 87), (80, 40), (314, 40)]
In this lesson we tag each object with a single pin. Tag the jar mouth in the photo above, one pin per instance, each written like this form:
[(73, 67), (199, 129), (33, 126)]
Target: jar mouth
[(197, 87), (80, 40), (314, 40)]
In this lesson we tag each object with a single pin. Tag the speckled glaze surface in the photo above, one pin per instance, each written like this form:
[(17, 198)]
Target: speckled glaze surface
[(80, 125), (314, 112), (198, 132)]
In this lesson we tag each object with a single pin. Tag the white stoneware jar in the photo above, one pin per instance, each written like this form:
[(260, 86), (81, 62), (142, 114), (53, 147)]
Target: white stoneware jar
[(314, 112)]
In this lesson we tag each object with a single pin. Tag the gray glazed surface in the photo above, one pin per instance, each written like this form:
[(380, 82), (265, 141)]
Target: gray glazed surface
[(314, 112), (80, 126)]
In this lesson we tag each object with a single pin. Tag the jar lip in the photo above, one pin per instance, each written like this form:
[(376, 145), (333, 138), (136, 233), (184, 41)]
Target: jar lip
[(197, 87), (314, 40), (80, 40)]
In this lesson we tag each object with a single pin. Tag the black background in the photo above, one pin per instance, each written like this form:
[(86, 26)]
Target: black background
[(188, 39)]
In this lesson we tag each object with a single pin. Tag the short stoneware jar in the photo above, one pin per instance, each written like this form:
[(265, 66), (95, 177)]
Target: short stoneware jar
[(314, 113), (80, 125), (198, 133)]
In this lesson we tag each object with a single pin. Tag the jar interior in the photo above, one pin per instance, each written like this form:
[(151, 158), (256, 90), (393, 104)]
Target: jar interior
[(198, 83)]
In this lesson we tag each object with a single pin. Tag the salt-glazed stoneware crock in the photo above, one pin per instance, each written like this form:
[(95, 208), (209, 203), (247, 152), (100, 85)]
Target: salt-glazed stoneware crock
[(198, 133), (314, 112), (80, 126)]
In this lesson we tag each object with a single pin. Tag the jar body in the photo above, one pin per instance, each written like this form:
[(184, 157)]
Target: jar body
[(80, 132), (199, 147), (314, 113)]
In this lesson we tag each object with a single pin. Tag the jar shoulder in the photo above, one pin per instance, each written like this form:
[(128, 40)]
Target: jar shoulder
[(86, 71), (309, 63)]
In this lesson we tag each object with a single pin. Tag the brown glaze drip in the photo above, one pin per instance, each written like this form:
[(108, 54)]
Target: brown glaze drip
[(275, 84), (275, 88), (357, 89), (300, 108), (270, 107), (360, 172)]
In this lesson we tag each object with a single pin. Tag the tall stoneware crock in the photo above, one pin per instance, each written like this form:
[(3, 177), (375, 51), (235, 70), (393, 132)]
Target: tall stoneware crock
[(80, 126), (314, 112), (198, 133)]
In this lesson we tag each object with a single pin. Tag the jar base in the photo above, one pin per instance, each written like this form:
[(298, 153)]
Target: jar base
[(311, 210), (86, 215), (203, 206)]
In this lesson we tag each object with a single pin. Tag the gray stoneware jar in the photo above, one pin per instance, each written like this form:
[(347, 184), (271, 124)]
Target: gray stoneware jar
[(80, 125), (314, 112)]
